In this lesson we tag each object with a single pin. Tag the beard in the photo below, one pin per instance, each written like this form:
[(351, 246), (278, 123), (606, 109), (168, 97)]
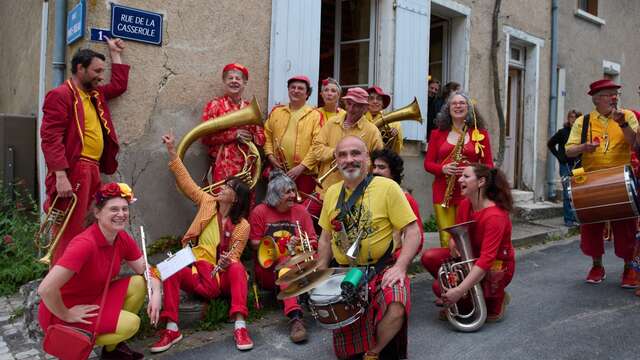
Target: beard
[(352, 173)]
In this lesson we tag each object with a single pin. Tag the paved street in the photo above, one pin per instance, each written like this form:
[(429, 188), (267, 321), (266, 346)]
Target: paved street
[(553, 315)]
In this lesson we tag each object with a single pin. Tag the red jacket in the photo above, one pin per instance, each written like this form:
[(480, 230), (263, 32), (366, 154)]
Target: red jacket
[(63, 125)]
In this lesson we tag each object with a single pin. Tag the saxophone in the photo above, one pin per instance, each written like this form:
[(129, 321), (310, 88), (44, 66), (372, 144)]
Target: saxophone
[(456, 157)]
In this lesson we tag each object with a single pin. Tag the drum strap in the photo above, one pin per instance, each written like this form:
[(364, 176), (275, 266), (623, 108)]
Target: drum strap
[(583, 139)]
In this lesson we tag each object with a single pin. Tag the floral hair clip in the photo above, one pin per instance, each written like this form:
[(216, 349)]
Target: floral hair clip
[(111, 190), (476, 135), (325, 82)]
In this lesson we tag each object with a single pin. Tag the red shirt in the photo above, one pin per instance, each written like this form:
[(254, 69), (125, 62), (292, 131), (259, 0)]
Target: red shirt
[(490, 235), (438, 150), (265, 220), (89, 255), (62, 128), (226, 157), (416, 210)]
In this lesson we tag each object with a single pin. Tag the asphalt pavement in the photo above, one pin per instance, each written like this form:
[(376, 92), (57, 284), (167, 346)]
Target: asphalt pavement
[(553, 314)]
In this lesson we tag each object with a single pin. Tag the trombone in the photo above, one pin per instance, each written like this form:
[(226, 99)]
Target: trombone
[(54, 217)]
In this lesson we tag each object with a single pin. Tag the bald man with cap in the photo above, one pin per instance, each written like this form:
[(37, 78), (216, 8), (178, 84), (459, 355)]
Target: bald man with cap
[(367, 209), (290, 131)]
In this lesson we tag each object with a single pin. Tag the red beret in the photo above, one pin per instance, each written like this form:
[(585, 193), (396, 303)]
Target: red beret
[(300, 78), (386, 99), (602, 84), (236, 66)]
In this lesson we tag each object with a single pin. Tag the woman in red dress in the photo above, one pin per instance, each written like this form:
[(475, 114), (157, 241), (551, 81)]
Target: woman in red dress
[(457, 118), (487, 200), (72, 290)]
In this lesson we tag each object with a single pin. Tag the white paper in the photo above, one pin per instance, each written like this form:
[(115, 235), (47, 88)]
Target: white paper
[(176, 262)]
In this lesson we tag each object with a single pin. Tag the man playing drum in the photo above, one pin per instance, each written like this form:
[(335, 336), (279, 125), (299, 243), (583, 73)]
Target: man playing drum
[(367, 209), (610, 136)]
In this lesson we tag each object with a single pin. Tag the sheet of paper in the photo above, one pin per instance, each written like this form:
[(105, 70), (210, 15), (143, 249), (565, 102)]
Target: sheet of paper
[(176, 262)]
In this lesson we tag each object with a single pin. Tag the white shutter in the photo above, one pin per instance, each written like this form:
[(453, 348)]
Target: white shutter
[(295, 46), (411, 61)]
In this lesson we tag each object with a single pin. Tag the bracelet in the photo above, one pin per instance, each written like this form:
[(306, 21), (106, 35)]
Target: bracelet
[(624, 125)]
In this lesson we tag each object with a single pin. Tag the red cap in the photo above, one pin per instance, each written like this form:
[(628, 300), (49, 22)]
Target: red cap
[(236, 66), (386, 99), (357, 95), (602, 84), (300, 78)]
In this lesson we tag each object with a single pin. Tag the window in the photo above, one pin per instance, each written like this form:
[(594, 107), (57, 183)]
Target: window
[(438, 46), (347, 41), (590, 6)]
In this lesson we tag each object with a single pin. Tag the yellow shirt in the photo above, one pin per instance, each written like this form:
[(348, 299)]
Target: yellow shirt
[(383, 208), (330, 134), (92, 137), (327, 115), (397, 143), (606, 129), (307, 129), (288, 142)]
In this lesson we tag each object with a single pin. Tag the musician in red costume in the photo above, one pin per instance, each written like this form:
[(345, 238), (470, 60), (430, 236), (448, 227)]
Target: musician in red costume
[(457, 117), (225, 146), (78, 137), (487, 200)]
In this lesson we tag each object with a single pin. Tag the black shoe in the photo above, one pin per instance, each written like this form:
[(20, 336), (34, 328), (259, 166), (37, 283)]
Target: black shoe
[(123, 352)]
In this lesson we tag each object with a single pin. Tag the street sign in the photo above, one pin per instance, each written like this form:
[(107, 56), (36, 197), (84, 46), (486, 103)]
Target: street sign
[(75, 23), (135, 24), (99, 34)]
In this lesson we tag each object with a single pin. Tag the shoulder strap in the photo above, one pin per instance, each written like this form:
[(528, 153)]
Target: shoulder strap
[(585, 128), (104, 293), (357, 193)]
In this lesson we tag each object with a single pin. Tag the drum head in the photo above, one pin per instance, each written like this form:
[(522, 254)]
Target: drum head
[(328, 292)]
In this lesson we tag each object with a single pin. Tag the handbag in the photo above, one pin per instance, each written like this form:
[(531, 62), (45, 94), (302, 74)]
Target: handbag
[(71, 343)]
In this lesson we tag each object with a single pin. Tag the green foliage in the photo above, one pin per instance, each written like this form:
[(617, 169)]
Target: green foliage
[(430, 224), (164, 244), (18, 255), (218, 312)]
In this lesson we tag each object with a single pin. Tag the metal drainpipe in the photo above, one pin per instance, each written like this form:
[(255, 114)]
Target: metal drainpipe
[(553, 98), (60, 43), (42, 83)]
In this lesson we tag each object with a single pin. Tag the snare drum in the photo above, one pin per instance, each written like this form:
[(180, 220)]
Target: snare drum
[(329, 308), (604, 195)]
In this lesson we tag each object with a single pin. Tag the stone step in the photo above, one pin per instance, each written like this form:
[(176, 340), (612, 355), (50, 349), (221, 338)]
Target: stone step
[(537, 210), (521, 196)]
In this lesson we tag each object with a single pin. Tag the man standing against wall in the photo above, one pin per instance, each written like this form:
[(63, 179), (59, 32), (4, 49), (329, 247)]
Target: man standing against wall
[(78, 137), (290, 130)]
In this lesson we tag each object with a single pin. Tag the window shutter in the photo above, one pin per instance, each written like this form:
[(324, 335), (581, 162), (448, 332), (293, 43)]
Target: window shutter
[(411, 61), (295, 46)]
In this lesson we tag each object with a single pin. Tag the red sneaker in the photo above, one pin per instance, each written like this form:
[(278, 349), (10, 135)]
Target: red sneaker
[(629, 279), (596, 275), (243, 340), (167, 339)]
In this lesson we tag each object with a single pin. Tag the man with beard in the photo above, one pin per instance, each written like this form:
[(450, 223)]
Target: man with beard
[(78, 137), (367, 209), (606, 142), (434, 104), (276, 219)]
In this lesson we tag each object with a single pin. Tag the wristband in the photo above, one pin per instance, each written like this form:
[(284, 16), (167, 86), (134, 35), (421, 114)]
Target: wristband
[(624, 125)]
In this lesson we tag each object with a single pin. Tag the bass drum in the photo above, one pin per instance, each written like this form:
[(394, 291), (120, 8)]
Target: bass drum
[(604, 195)]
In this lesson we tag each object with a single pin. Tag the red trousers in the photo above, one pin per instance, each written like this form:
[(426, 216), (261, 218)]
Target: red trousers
[(233, 282), (85, 181), (493, 283), (266, 279), (624, 232)]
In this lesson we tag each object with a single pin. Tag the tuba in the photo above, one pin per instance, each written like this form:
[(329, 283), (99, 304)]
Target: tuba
[(409, 112), (249, 115), (453, 272), (54, 217)]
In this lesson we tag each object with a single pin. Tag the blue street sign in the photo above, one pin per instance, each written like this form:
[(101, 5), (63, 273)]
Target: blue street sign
[(100, 34), (75, 23), (134, 24)]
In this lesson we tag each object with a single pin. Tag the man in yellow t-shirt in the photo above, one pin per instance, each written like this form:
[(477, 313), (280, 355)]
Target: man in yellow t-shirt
[(611, 134), (367, 209)]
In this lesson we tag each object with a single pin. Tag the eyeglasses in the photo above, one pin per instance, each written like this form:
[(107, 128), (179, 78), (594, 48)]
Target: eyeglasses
[(615, 94), (458, 103)]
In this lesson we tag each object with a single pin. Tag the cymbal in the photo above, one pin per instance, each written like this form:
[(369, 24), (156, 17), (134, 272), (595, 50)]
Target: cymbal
[(305, 284), (298, 271), (294, 260)]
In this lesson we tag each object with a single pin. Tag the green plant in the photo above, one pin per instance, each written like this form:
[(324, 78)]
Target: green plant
[(218, 312), (164, 244), (18, 255), (430, 224)]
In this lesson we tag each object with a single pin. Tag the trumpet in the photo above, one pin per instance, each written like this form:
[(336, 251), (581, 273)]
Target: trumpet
[(269, 251), (245, 175), (54, 217), (452, 273)]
